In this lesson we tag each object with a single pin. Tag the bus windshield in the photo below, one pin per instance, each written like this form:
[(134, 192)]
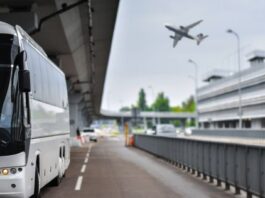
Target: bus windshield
[(5, 98), (8, 52)]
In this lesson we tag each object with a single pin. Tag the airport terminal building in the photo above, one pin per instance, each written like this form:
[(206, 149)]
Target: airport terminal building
[(218, 101)]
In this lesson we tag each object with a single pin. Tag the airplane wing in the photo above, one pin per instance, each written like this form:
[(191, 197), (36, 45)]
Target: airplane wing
[(193, 25), (176, 39)]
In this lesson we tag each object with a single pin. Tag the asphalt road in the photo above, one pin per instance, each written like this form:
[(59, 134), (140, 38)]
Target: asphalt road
[(110, 170)]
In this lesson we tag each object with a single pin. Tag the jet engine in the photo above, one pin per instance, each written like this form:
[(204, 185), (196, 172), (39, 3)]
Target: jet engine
[(200, 37), (182, 27)]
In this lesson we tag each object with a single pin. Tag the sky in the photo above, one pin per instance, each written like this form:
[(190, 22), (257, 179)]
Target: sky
[(142, 55)]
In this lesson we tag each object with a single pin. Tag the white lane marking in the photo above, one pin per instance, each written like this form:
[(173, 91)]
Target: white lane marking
[(83, 169), (87, 155), (79, 183), (86, 160)]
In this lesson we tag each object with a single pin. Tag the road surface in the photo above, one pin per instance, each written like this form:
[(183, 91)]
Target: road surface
[(110, 170)]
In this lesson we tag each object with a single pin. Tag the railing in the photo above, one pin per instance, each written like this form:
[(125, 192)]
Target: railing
[(235, 133), (242, 166), (250, 76)]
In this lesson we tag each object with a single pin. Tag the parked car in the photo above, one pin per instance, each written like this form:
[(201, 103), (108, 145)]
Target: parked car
[(165, 130), (89, 134), (150, 132)]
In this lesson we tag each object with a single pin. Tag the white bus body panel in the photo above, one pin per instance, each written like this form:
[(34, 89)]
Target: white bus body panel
[(50, 131)]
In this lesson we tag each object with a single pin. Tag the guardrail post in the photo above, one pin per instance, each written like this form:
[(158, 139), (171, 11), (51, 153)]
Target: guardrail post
[(261, 173), (237, 189), (204, 176), (249, 194), (198, 174), (227, 185), (210, 164), (219, 183)]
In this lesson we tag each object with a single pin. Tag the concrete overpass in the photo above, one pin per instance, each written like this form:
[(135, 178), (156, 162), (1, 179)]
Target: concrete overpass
[(145, 116), (77, 35), (149, 115)]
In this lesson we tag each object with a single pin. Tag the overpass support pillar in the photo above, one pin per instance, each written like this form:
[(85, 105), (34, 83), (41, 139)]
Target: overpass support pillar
[(121, 123), (78, 115), (183, 123), (145, 123), (154, 121)]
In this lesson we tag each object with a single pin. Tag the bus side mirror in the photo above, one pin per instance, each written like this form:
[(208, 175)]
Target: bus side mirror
[(24, 80), (21, 59), (23, 74)]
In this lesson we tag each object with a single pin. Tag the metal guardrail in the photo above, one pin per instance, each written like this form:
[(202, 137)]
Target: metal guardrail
[(242, 166), (239, 133)]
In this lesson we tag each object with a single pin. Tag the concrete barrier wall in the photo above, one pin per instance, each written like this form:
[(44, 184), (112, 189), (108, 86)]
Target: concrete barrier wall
[(242, 166), (242, 133)]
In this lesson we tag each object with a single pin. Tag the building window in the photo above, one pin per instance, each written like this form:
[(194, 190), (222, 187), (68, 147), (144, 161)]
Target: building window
[(263, 123), (247, 124)]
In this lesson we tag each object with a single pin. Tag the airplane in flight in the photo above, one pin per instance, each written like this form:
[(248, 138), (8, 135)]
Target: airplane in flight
[(183, 31)]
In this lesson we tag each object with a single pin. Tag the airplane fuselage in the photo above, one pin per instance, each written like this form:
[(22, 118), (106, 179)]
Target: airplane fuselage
[(183, 31), (180, 32)]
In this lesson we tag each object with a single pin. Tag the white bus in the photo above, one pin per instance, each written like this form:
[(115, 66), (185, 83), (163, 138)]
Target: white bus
[(34, 117)]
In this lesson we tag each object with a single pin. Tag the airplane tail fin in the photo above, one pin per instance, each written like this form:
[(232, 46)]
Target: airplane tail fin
[(200, 37)]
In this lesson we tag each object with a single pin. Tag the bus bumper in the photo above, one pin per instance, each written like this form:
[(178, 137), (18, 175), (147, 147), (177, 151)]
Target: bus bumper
[(13, 185)]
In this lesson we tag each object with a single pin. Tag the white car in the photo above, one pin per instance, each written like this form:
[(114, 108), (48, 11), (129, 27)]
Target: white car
[(165, 130), (89, 134), (150, 132)]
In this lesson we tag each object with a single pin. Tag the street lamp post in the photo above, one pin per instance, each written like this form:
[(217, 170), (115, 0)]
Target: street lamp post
[(230, 31), (196, 87)]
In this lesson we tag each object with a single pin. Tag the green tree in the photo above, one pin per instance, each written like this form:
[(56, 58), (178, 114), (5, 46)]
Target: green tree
[(161, 103), (141, 103), (189, 105), (176, 109)]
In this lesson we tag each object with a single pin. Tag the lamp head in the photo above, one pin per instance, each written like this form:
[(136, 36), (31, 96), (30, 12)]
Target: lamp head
[(229, 31)]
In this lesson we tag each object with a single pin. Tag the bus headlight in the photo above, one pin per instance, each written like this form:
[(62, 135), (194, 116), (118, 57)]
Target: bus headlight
[(5, 171), (13, 171)]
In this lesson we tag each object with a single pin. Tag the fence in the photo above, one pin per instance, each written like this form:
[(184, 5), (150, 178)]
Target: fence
[(242, 166)]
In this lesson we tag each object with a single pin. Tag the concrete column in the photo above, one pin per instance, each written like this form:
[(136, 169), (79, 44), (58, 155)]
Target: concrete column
[(183, 123), (158, 120), (122, 125), (82, 119), (145, 123), (154, 121), (78, 117)]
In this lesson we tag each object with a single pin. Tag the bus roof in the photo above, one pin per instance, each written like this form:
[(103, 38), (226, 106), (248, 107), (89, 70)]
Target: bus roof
[(5, 28)]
